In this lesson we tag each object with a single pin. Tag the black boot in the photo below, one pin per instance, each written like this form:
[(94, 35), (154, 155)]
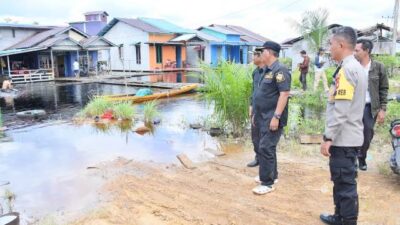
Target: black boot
[(350, 222), (331, 219), (362, 164), (253, 163)]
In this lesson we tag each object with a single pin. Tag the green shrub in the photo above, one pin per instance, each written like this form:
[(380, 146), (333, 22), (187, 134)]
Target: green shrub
[(390, 62), (150, 111), (228, 87), (296, 80), (286, 61), (97, 106), (123, 110)]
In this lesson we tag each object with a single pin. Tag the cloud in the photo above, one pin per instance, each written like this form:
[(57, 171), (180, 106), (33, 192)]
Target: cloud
[(267, 17)]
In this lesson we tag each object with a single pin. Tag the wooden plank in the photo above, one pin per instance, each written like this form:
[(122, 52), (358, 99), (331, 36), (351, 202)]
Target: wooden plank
[(186, 162), (311, 139)]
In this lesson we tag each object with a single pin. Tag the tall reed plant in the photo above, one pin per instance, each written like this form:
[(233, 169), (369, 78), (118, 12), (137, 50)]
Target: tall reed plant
[(228, 86), (150, 111)]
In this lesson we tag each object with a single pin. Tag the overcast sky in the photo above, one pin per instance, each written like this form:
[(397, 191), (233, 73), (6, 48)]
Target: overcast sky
[(270, 18)]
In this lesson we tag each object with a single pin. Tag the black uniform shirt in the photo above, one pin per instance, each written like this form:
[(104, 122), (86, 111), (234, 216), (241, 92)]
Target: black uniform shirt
[(275, 80)]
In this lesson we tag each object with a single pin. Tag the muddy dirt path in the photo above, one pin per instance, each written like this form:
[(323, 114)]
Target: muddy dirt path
[(219, 192)]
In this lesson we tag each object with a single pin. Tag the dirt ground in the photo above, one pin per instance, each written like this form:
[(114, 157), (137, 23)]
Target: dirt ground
[(219, 192)]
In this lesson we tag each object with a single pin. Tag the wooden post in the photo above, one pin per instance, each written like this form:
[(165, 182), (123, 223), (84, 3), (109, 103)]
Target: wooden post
[(395, 19), (8, 65), (52, 62), (109, 60), (77, 59), (87, 61), (1, 65)]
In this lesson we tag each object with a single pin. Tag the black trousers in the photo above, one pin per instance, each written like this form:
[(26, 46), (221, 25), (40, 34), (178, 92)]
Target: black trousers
[(303, 80), (369, 123), (268, 167), (343, 168), (255, 138)]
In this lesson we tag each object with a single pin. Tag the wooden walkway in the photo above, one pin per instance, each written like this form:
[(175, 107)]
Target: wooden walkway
[(116, 80)]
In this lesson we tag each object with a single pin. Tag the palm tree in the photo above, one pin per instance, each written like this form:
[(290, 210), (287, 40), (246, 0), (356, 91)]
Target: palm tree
[(313, 27)]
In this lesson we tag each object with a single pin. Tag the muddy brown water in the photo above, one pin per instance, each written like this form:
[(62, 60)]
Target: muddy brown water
[(46, 162)]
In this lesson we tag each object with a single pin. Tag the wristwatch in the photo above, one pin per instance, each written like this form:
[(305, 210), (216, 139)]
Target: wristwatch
[(277, 116), (326, 139)]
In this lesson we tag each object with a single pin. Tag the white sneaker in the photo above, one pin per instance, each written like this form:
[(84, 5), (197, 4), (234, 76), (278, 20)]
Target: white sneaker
[(262, 189), (258, 181)]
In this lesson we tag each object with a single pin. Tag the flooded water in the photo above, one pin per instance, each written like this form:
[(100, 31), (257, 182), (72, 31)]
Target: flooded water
[(46, 164), (172, 77)]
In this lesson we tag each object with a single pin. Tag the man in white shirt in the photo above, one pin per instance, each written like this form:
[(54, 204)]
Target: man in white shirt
[(320, 65), (76, 68), (376, 96)]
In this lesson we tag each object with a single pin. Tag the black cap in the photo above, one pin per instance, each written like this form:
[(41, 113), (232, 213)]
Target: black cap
[(271, 45)]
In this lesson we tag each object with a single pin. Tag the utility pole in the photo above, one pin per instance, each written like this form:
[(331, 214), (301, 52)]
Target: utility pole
[(395, 18)]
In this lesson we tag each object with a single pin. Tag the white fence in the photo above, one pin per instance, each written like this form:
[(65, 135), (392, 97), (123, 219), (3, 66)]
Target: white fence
[(26, 76)]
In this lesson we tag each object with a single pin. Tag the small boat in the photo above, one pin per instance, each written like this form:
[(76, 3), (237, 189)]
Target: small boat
[(32, 114), (139, 99)]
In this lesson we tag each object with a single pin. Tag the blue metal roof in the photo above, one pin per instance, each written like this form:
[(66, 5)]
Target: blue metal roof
[(167, 26)]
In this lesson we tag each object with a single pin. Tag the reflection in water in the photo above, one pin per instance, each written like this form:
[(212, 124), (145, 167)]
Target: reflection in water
[(46, 166), (59, 100)]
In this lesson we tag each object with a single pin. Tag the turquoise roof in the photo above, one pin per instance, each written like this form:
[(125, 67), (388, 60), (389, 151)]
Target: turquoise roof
[(167, 26)]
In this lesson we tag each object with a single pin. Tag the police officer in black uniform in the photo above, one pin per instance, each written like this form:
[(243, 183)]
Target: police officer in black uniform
[(270, 114), (257, 73)]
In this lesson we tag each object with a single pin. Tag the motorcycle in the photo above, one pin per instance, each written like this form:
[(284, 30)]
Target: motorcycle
[(395, 158)]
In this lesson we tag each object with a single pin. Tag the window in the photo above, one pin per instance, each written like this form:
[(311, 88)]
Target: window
[(241, 56), (158, 53), (200, 53), (13, 33), (121, 51), (138, 54)]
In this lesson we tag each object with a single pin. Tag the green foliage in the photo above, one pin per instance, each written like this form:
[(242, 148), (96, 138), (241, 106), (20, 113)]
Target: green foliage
[(296, 80), (150, 111), (123, 110), (393, 111), (390, 62), (311, 126), (313, 99), (228, 87), (314, 27), (329, 74), (286, 61), (97, 106)]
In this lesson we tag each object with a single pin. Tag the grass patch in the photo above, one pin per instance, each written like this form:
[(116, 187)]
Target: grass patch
[(97, 106), (123, 110), (150, 111)]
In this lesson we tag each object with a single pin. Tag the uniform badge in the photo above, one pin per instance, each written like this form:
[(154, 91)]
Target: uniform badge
[(280, 77), (268, 76)]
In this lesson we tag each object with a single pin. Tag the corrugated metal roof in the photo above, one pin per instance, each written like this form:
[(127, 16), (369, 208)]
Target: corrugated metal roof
[(27, 26), (51, 41), (19, 51), (37, 38), (96, 12), (199, 34), (166, 26), (221, 30), (141, 25), (247, 34)]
